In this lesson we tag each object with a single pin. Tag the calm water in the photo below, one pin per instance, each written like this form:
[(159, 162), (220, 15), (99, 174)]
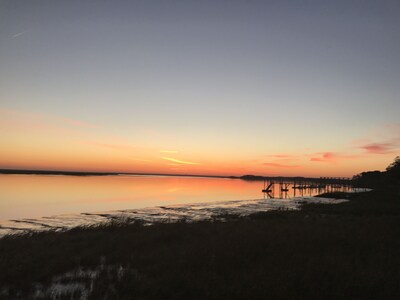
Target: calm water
[(37, 202), (33, 196)]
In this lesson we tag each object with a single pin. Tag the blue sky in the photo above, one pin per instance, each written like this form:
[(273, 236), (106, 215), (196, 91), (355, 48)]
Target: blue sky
[(240, 80)]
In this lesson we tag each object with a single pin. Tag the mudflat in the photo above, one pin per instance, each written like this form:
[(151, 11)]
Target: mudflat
[(348, 250)]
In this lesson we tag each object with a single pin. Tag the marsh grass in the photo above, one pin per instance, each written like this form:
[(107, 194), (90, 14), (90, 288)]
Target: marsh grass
[(344, 251)]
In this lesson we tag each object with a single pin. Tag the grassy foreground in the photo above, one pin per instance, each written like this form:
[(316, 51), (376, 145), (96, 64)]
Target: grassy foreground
[(343, 251)]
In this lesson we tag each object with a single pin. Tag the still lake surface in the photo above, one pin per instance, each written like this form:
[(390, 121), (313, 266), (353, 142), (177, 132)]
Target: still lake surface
[(41, 202), (33, 196)]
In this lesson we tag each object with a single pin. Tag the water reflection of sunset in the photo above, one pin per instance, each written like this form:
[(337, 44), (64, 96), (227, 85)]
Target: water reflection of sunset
[(34, 196)]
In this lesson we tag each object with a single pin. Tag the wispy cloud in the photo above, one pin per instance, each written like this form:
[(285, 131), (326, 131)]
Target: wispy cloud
[(276, 165), (284, 157), (19, 33), (324, 157), (332, 157), (180, 161), (379, 148), (384, 139), (169, 151)]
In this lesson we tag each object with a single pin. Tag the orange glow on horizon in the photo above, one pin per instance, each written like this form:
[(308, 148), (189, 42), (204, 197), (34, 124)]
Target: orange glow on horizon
[(36, 141)]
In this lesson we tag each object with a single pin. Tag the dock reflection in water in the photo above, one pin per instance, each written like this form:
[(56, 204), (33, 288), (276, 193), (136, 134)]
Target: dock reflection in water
[(284, 189)]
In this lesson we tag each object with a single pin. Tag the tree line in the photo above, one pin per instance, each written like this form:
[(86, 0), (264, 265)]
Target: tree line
[(375, 179)]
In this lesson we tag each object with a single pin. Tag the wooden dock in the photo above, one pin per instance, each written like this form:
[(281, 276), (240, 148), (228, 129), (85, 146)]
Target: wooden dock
[(305, 187)]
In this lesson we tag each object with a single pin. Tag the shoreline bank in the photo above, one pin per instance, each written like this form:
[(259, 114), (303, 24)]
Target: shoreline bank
[(193, 212), (348, 250)]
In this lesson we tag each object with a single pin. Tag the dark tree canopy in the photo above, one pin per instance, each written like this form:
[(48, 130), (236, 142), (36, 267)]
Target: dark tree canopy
[(375, 179), (394, 168)]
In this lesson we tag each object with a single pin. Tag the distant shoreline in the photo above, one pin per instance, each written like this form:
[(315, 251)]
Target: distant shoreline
[(84, 173), (244, 177)]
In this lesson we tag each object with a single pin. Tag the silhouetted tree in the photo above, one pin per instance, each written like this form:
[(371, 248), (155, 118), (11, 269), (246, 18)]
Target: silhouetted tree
[(393, 170), (371, 179), (374, 179)]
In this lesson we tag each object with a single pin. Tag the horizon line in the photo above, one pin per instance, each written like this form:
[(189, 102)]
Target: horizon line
[(6, 171)]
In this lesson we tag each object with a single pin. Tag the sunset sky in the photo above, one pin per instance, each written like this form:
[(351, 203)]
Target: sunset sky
[(306, 88)]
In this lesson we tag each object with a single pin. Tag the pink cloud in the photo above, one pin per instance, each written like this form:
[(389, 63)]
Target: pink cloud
[(276, 165), (325, 157), (379, 148), (385, 140), (284, 158), (331, 157)]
